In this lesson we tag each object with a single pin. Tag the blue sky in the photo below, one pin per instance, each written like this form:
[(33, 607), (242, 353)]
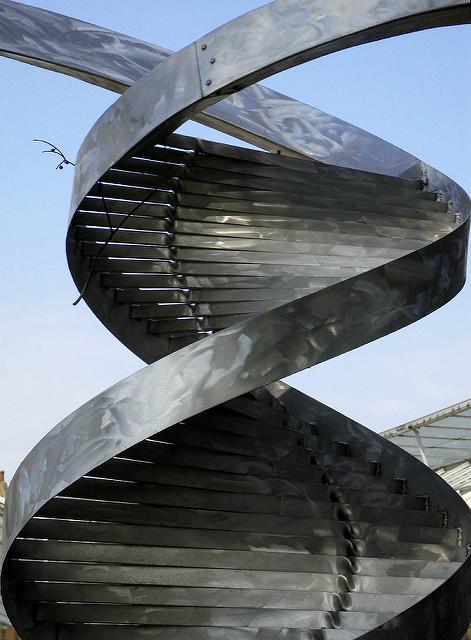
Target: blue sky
[(413, 91)]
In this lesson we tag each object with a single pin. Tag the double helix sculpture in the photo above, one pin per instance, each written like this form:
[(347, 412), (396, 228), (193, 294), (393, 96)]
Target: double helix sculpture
[(201, 498)]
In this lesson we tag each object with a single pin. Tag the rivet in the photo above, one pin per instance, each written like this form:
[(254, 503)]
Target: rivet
[(204, 47), (212, 60), (208, 82)]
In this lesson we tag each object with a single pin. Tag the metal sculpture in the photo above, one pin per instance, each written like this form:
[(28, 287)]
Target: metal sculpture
[(200, 498)]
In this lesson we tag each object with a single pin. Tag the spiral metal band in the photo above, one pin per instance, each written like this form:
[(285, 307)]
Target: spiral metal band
[(228, 269)]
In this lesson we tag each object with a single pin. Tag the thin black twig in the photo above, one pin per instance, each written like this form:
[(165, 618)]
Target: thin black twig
[(113, 231), (54, 149)]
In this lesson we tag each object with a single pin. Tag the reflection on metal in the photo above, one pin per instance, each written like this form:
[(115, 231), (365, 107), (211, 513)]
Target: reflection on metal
[(3, 618), (200, 498), (446, 442), (4, 622)]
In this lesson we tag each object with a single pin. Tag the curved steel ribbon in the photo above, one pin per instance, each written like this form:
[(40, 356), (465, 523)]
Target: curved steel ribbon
[(279, 261)]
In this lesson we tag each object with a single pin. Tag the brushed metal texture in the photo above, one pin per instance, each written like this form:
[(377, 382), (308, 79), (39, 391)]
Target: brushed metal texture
[(201, 497)]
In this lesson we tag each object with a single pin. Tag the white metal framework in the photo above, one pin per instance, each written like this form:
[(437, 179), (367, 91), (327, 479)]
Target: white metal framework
[(442, 440)]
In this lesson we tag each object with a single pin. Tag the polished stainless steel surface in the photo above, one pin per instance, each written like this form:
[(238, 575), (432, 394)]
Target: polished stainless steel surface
[(256, 114), (200, 482)]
